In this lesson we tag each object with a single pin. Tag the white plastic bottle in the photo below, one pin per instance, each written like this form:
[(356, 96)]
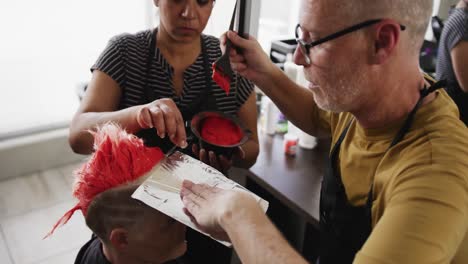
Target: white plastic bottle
[(306, 141), (269, 116)]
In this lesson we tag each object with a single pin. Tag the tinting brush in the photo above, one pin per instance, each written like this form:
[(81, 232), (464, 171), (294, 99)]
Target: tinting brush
[(222, 71)]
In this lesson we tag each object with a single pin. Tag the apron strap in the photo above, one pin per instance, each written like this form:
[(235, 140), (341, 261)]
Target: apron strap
[(149, 94), (409, 120)]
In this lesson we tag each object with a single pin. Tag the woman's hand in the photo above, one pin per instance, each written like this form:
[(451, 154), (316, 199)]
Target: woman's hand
[(163, 115), (219, 162), (252, 62)]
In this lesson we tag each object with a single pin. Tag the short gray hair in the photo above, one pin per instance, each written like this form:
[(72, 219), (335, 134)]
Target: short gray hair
[(414, 14)]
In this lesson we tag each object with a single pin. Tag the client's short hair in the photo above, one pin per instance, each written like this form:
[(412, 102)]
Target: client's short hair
[(115, 208)]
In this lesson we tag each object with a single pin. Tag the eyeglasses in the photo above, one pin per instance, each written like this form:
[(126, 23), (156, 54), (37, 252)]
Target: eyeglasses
[(306, 46)]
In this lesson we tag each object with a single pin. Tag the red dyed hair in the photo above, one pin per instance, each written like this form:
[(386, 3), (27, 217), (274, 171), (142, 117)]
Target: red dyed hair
[(119, 158)]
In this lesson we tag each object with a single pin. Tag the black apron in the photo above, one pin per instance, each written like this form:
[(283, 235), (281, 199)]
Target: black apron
[(344, 228), (205, 101)]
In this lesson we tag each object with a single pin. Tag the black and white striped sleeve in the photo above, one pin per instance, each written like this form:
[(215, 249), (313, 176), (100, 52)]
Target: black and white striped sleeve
[(245, 89), (465, 33), (459, 26), (112, 60)]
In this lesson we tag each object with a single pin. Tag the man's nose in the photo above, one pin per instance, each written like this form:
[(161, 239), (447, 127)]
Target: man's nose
[(298, 57), (189, 9)]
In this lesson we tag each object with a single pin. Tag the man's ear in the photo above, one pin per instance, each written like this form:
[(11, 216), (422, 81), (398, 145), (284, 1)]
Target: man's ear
[(386, 38), (119, 238)]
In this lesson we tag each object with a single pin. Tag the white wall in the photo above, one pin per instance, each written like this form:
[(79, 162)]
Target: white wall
[(48, 47)]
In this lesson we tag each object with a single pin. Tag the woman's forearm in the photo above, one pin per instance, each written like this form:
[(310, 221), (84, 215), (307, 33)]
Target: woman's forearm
[(81, 141), (251, 150)]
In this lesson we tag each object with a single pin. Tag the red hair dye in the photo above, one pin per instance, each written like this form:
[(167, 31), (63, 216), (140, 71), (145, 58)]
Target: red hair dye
[(119, 158), (221, 131), (221, 79)]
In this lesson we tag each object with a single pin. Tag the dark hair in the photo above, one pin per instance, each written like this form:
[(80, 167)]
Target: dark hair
[(115, 208)]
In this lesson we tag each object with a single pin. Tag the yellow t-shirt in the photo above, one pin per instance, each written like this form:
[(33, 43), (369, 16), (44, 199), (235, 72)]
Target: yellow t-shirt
[(420, 206)]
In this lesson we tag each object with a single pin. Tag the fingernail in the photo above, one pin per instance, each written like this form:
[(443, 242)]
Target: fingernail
[(163, 135), (186, 184), (172, 136), (184, 144)]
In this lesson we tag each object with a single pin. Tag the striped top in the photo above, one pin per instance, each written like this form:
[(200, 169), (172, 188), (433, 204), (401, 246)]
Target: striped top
[(125, 60), (455, 30)]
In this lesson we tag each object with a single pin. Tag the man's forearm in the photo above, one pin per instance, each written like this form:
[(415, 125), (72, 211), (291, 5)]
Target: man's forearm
[(295, 101), (256, 240)]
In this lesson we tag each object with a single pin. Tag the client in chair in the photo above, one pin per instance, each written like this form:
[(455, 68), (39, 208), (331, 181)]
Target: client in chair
[(125, 230)]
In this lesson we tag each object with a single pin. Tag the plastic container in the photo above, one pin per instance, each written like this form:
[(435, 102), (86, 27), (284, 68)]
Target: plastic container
[(290, 144), (281, 124), (226, 150), (269, 116), (307, 141)]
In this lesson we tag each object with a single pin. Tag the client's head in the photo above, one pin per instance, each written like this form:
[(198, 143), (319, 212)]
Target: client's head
[(130, 231)]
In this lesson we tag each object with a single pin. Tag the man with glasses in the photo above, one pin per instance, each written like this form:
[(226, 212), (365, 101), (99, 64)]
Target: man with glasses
[(396, 186)]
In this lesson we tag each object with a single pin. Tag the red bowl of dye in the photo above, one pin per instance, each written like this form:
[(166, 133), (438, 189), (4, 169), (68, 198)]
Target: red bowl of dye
[(218, 132)]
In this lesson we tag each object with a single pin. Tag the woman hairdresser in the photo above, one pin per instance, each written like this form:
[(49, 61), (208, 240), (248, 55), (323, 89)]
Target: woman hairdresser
[(160, 78), (152, 81)]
